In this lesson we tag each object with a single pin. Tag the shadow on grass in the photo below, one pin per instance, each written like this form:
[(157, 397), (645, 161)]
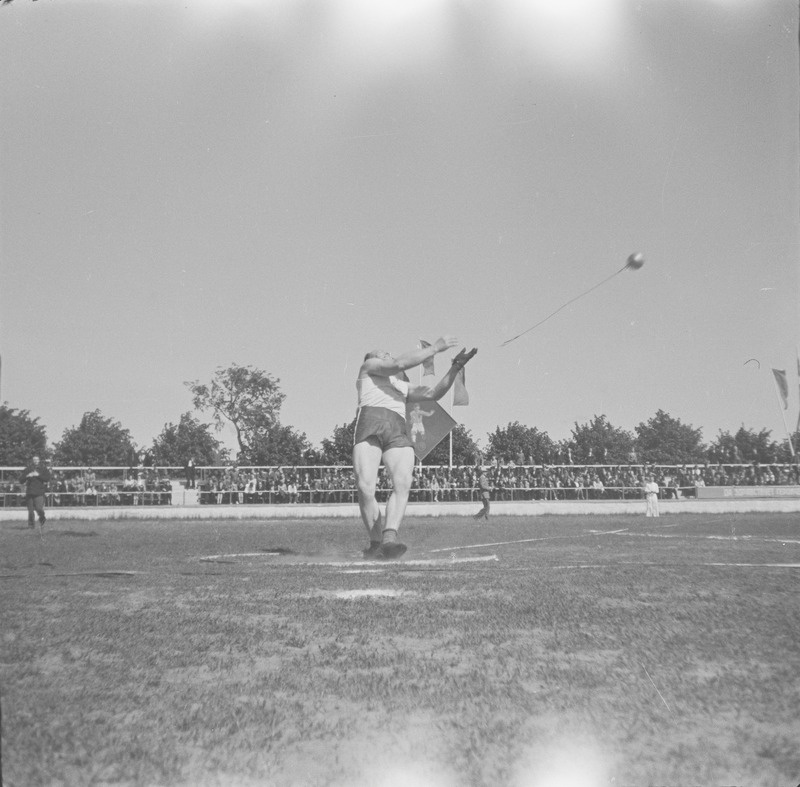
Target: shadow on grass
[(106, 574), (72, 533), (22, 567)]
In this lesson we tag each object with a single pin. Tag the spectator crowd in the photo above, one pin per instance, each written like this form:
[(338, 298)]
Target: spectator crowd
[(336, 484), (87, 487)]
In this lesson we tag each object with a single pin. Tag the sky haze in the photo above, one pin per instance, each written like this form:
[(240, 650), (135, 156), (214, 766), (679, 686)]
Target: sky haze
[(186, 185)]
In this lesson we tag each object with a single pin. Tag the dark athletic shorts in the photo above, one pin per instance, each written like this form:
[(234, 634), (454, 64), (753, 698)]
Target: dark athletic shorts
[(387, 425)]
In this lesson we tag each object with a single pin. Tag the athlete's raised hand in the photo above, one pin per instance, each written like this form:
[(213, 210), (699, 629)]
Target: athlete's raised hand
[(445, 343), (464, 357)]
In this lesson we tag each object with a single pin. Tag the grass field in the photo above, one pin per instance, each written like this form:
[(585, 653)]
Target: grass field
[(529, 652)]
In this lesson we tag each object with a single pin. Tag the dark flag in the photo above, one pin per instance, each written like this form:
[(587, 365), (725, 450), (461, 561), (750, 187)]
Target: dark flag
[(783, 386), (428, 424)]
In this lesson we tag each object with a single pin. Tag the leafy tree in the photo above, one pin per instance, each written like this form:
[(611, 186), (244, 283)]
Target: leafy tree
[(465, 449), (598, 442), (248, 398), (664, 439), (723, 449), (745, 446), (277, 445), (338, 448), (21, 437), (95, 441), (783, 453), (520, 444), (187, 439)]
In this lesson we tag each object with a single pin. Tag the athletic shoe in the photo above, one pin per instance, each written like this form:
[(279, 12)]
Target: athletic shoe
[(391, 551), (372, 552)]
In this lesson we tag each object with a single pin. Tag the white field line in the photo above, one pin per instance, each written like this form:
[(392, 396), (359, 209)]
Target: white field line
[(653, 564), (293, 561), (626, 531), (372, 566), (756, 565), (530, 540), (378, 564), (716, 538), (242, 554)]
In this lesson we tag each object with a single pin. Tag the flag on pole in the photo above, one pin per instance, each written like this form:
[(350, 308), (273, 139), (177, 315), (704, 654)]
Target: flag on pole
[(427, 366), (798, 371), (460, 395), (783, 386)]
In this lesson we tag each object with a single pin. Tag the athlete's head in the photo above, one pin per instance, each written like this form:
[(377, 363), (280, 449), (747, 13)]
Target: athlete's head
[(382, 354)]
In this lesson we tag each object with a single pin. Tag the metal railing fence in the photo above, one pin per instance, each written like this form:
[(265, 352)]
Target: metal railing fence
[(337, 496), (334, 484)]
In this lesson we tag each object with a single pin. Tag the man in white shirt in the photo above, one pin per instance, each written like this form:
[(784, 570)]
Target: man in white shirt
[(381, 434), (651, 496)]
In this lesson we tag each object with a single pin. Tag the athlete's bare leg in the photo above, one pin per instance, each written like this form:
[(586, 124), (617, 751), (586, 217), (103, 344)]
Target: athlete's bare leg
[(366, 461), (400, 466)]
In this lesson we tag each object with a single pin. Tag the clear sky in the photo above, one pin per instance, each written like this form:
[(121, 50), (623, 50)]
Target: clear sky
[(290, 183)]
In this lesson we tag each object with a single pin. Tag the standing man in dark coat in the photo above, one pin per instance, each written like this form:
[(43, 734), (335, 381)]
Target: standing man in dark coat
[(191, 474), (35, 477), (485, 488)]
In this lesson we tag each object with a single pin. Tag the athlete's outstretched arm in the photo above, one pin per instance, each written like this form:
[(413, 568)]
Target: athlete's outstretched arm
[(418, 393), (386, 364)]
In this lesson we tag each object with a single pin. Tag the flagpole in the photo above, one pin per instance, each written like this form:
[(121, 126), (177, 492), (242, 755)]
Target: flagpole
[(419, 377), (783, 415), (452, 400), (797, 350)]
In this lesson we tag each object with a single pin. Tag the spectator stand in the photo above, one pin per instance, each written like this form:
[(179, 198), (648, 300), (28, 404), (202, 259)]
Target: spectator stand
[(323, 485)]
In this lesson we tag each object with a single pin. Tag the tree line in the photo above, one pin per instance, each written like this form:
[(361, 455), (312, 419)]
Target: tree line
[(250, 400)]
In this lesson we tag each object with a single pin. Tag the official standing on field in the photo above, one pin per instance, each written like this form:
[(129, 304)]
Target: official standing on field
[(651, 496), (486, 489), (35, 477)]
